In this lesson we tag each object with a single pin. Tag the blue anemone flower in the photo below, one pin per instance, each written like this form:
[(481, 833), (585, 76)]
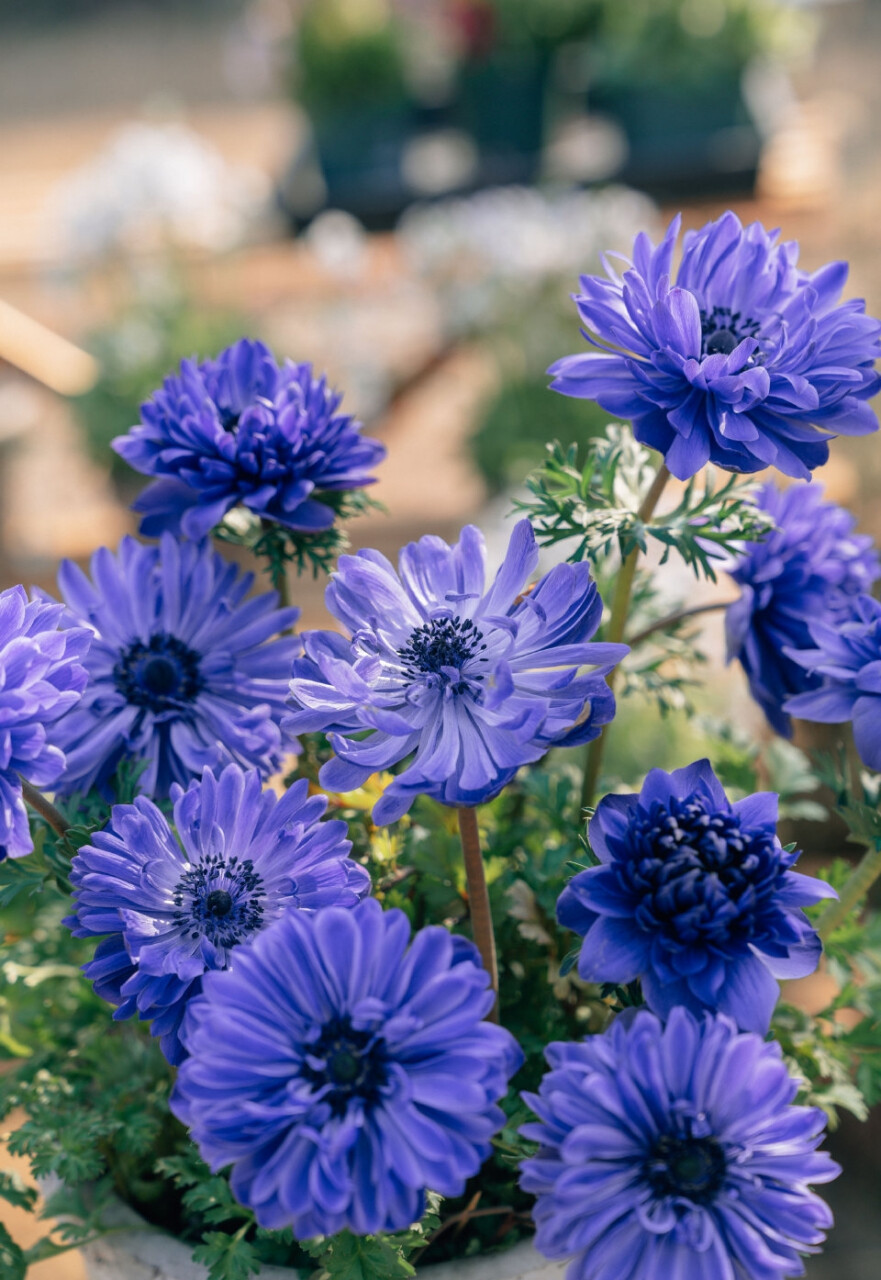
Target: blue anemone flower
[(41, 677), (846, 659), (243, 429), (344, 1071), (170, 908), (470, 681), (182, 671), (812, 566), (741, 360), (695, 897), (675, 1151)]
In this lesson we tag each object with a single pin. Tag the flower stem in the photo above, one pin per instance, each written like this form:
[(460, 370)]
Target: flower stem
[(478, 900), (672, 619), (44, 808), (857, 885), (617, 624), (281, 585)]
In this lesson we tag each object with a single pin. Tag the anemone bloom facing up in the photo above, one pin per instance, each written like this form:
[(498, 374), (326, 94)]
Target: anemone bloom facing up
[(343, 1072), (174, 908), (183, 672), (695, 897), (243, 429), (675, 1151), (41, 677), (846, 659), (811, 567), (470, 681), (741, 360)]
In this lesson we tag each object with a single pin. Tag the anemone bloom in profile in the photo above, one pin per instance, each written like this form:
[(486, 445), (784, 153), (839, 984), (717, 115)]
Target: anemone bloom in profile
[(675, 1151), (845, 658), (174, 907), (244, 430), (811, 567), (343, 1071), (41, 677), (471, 682), (183, 670), (695, 897), (741, 360)]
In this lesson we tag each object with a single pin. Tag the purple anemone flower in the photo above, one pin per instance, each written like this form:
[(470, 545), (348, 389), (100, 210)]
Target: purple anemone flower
[(741, 360), (811, 567), (343, 1072), (41, 677), (695, 897), (183, 672), (471, 682), (173, 907), (846, 658), (675, 1151), (243, 429)]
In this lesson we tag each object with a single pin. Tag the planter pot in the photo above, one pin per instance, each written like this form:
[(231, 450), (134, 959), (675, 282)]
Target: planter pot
[(501, 104), (146, 1254), (693, 136)]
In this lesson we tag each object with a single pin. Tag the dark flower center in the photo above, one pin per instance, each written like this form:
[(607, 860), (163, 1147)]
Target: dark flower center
[(443, 643), (348, 1064), (229, 418), (724, 329), (696, 875), (680, 1165), (218, 903), (160, 674), (222, 899)]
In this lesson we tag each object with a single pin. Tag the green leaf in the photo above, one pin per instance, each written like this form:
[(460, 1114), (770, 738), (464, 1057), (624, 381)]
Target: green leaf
[(227, 1257), (12, 1261), (348, 1257), (15, 1190), (20, 875)]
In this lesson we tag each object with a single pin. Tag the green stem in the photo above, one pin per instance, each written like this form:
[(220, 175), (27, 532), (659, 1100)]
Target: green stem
[(663, 624), (857, 885), (44, 808), (617, 624), (478, 900), (281, 585)]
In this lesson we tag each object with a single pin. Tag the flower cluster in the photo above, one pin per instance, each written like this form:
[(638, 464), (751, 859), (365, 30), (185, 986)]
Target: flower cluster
[(694, 896), (743, 361), (675, 1150), (41, 678), (846, 659), (169, 908), (243, 430), (471, 682), (342, 1072), (811, 567), (183, 673)]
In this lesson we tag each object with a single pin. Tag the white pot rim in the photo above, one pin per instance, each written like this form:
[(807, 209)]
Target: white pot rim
[(139, 1250)]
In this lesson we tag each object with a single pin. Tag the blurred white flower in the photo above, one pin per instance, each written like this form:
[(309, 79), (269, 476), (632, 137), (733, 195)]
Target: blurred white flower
[(521, 233), (155, 187)]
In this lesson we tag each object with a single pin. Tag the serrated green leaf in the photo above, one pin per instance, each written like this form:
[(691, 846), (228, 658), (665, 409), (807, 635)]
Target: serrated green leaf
[(227, 1257), (15, 1190), (12, 1260)]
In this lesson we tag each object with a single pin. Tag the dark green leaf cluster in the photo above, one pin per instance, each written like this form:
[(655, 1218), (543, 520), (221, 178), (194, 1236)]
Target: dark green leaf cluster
[(379, 1257), (596, 506), (279, 547)]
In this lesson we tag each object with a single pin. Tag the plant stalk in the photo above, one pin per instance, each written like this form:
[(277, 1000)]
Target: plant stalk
[(857, 885), (617, 625), (44, 808), (478, 901), (673, 618)]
